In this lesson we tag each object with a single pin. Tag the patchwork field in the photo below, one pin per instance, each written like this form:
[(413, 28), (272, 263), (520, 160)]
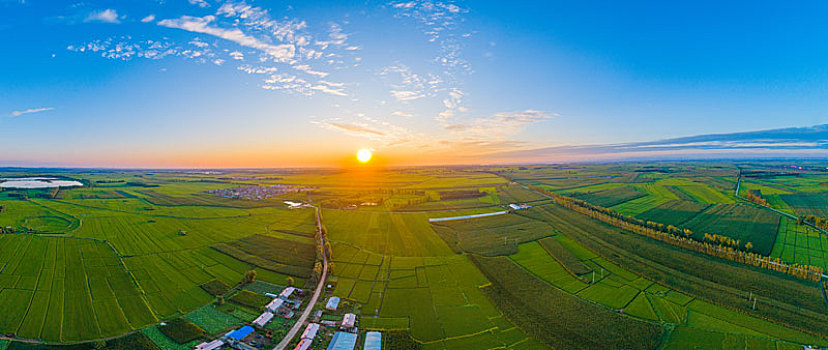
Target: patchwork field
[(135, 248)]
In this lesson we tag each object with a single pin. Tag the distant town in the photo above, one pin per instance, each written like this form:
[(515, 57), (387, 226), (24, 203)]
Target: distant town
[(257, 192)]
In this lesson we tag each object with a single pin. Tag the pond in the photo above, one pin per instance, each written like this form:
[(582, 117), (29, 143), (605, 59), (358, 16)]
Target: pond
[(36, 183)]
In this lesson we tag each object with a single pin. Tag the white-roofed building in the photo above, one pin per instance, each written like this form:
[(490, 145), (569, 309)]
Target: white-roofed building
[(373, 341), (215, 344), (348, 321), (332, 304), (263, 319), (304, 344), (274, 305), (286, 293), (310, 331)]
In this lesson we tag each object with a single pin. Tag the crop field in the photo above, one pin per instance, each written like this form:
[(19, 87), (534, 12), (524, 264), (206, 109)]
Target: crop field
[(807, 204), (138, 247), (425, 289), (619, 289), (800, 244), (495, 235), (674, 213), (738, 221), (609, 198), (694, 275), (112, 261)]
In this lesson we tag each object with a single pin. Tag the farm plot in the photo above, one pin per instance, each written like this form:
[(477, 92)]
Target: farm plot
[(29, 216), (557, 318), (674, 212), (385, 233), (65, 289), (807, 204), (695, 275), (609, 198), (741, 222), (496, 235), (434, 294), (619, 289), (289, 257), (800, 244)]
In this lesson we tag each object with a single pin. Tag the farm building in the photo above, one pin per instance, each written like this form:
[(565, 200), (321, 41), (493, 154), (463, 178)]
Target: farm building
[(343, 341), (310, 331), (514, 206), (304, 344), (286, 293), (275, 305), (348, 321), (332, 304), (373, 341), (263, 319), (215, 344), (240, 333)]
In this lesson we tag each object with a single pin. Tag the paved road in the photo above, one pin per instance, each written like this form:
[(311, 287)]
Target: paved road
[(319, 288)]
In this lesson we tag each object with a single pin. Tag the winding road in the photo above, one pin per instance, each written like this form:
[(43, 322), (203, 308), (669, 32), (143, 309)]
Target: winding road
[(319, 288)]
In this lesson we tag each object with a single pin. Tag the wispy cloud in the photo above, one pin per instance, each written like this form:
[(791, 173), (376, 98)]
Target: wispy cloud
[(29, 111), (279, 53), (105, 16), (355, 129), (148, 19)]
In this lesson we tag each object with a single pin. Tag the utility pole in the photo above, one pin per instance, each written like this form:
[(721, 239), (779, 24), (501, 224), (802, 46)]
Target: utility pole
[(754, 303), (593, 276)]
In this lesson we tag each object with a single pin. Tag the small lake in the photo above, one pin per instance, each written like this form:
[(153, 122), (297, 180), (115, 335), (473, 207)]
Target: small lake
[(36, 182)]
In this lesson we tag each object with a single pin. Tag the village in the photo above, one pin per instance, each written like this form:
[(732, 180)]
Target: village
[(332, 327), (257, 192)]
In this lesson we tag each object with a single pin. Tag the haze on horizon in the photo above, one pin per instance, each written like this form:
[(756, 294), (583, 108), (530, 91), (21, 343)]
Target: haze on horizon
[(209, 83)]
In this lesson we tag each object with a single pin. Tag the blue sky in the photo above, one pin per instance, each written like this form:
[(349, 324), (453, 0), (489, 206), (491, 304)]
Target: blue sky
[(271, 83)]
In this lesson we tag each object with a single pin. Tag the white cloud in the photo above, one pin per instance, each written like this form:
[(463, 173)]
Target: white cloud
[(281, 53), (199, 3), (402, 114), (307, 69), (237, 55), (148, 19), (29, 111), (105, 16), (404, 95)]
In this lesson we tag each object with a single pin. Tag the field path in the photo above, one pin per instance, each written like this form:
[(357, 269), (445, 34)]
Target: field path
[(319, 287)]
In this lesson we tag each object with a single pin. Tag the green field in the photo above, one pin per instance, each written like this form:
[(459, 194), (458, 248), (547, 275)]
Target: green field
[(137, 248)]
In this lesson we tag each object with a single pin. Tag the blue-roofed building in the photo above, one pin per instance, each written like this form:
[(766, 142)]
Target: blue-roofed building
[(373, 341), (343, 341), (240, 333)]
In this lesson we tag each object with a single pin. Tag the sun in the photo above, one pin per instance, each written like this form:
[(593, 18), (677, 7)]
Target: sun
[(364, 155)]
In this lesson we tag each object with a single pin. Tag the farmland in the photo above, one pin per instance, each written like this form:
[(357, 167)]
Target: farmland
[(137, 248)]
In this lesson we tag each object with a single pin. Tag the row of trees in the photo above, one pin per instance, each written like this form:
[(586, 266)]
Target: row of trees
[(755, 196), (684, 238), (814, 220)]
